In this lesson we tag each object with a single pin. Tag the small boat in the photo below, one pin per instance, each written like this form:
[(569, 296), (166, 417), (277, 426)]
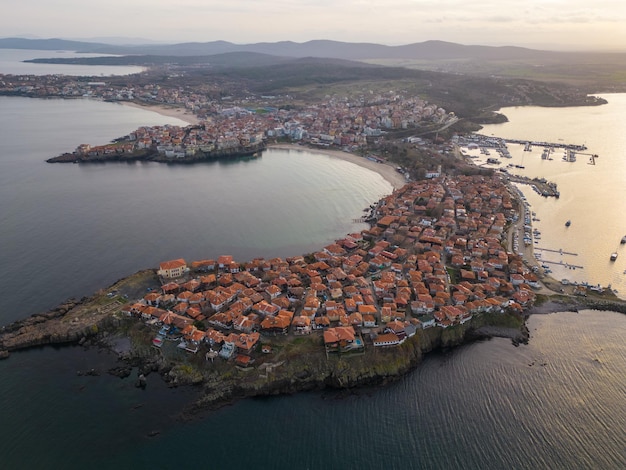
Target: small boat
[(623, 240), (613, 256), (568, 223)]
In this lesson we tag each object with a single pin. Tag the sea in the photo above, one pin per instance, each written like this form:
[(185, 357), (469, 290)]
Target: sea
[(68, 230)]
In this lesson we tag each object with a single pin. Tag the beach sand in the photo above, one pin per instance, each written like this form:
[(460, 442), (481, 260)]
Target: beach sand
[(386, 170), (170, 111)]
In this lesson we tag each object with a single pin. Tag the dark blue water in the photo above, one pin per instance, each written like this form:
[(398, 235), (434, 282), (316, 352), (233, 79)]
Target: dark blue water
[(556, 403), (66, 230)]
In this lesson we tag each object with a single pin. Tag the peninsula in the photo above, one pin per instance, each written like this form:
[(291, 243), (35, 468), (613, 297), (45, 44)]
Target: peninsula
[(432, 271)]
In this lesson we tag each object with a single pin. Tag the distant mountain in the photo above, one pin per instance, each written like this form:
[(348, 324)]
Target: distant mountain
[(428, 50), (120, 41), (354, 51)]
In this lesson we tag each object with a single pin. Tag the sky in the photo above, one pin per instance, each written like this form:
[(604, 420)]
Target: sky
[(540, 24)]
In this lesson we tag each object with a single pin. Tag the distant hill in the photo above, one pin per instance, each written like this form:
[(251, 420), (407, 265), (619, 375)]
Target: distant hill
[(594, 72), (319, 48), (229, 59)]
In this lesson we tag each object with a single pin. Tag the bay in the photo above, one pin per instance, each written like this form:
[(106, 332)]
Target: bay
[(68, 230)]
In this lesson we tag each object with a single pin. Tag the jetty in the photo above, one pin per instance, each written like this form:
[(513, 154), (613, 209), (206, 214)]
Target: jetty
[(561, 263), (561, 252), (539, 185), (528, 144)]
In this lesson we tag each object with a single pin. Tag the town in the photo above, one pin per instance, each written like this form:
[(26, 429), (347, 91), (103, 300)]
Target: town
[(433, 258), (239, 125)]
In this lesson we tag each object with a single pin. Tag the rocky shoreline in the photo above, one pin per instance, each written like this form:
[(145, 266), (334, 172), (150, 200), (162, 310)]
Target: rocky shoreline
[(152, 155)]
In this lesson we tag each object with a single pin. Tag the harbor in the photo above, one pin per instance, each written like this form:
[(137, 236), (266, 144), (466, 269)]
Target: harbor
[(500, 145), (480, 149)]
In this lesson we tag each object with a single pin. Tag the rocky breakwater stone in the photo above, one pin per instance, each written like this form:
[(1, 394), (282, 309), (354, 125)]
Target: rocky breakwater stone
[(4, 354)]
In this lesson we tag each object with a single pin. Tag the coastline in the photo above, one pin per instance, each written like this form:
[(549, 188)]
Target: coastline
[(169, 111), (386, 170)]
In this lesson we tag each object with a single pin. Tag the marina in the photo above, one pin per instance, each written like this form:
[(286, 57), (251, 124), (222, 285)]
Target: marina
[(570, 151)]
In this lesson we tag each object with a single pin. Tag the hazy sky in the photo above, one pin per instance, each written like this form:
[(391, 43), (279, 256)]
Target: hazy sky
[(547, 24)]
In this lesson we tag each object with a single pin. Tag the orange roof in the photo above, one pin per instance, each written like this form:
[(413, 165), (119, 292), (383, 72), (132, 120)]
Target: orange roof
[(340, 333), (173, 264), (386, 338), (367, 309)]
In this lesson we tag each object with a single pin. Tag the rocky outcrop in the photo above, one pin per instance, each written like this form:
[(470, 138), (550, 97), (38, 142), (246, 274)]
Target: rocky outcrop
[(52, 327), (71, 322)]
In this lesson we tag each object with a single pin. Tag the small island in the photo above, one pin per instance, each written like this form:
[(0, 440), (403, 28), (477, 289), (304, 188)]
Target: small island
[(431, 272)]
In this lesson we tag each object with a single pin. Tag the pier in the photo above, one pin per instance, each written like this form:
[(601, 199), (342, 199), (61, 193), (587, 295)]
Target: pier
[(561, 252), (561, 263), (541, 186), (529, 143)]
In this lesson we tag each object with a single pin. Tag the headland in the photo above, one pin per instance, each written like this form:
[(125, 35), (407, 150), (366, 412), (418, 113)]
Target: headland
[(427, 275)]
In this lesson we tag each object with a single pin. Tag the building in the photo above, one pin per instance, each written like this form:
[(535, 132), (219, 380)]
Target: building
[(173, 268)]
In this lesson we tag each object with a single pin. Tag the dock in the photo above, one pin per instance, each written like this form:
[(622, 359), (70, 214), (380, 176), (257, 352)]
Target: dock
[(539, 185), (561, 252), (561, 263), (529, 143)]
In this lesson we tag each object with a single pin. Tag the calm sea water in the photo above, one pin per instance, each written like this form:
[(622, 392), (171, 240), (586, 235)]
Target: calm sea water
[(66, 230), (593, 197), (556, 403)]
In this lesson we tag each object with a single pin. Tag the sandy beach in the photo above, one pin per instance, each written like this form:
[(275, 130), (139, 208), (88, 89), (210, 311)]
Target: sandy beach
[(386, 170), (170, 111)]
